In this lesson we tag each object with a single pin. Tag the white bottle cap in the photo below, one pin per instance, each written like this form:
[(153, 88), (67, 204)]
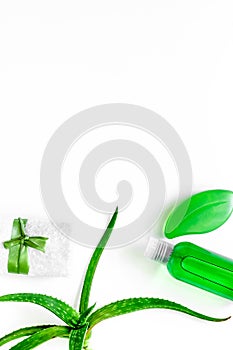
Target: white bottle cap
[(158, 250)]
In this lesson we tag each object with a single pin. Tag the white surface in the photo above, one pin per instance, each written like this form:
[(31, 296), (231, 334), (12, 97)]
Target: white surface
[(175, 57)]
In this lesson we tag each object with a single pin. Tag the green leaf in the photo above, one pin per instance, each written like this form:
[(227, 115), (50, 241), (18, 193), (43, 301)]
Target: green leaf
[(38, 243), (136, 304), (11, 243), (23, 332), (85, 314), (65, 312), (18, 261), (93, 264), (18, 254), (77, 338), (203, 212), (41, 337)]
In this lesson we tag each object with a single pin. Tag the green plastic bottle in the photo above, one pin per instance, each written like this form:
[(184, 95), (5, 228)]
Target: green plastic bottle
[(192, 264)]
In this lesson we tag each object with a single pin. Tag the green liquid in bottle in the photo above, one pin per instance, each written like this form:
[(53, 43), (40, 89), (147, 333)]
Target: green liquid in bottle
[(192, 264)]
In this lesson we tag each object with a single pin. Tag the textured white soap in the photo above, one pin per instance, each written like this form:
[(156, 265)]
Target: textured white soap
[(54, 262)]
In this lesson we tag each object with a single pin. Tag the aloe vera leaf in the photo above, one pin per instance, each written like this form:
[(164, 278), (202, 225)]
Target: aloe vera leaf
[(203, 212), (85, 314), (77, 338), (41, 337), (65, 312), (85, 294), (22, 332), (136, 304)]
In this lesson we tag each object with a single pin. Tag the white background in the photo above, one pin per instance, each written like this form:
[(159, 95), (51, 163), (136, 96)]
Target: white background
[(174, 57)]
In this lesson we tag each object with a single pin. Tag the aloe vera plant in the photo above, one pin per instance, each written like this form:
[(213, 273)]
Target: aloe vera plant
[(79, 324)]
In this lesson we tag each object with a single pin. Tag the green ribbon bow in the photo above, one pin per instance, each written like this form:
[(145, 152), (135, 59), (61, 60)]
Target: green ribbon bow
[(18, 261)]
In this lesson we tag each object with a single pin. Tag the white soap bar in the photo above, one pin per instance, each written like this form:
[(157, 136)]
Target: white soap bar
[(53, 263)]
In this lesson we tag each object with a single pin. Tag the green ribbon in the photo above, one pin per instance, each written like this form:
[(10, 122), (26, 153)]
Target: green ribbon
[(18, 261)]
